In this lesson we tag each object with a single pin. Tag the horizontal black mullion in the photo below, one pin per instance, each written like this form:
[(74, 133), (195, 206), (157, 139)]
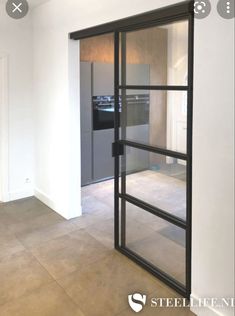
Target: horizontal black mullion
[(155, 210), (157, 150), (163, 276), (154, 87)]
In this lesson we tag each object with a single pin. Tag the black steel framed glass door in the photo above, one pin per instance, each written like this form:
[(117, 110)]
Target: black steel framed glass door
[(153, 147)]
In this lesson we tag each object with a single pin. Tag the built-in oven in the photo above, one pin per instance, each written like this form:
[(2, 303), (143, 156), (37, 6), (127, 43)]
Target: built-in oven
[(103, 110)]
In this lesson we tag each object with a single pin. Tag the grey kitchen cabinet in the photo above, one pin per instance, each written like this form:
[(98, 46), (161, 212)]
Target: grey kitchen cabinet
[(86, 123), (103, 162), (97, 163), (138, 75), (136, 159), (103, 78)]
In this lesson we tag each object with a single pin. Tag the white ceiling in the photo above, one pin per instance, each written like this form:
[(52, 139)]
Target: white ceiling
[(32, 3)]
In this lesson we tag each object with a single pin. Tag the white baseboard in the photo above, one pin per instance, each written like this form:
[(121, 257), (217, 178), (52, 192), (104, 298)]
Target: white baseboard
[(20, 194), (207, 310), (43, 197)]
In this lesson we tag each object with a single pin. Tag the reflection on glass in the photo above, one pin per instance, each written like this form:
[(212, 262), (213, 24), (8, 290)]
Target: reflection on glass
[(157, 241), (157, 55), (157, 118)]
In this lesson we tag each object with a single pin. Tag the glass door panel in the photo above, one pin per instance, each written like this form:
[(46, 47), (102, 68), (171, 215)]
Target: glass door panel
[(159, 242), (157, 55), (153, 148), (156, 118), (155, 179)]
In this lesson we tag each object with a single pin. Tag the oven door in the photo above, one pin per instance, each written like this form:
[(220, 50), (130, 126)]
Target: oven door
[(103, 119)]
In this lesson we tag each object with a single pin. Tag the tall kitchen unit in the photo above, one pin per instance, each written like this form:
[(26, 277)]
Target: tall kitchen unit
[(97, 118)]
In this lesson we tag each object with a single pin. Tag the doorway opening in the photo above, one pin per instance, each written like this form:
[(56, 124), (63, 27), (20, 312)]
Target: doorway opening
[(97, 133), (146, 112), (97, 108)]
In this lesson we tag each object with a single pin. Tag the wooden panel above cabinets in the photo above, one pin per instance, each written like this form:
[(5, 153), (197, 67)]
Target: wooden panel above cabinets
[(150, 49), (97, 49)]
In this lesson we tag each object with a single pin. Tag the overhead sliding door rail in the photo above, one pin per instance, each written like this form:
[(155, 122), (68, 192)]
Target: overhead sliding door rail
[(157, 17)]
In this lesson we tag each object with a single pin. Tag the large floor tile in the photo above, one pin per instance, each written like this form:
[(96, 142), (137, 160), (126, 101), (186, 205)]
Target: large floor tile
[(103, 232), (92, 219), (27, 215), (99, 189), (9, 245), (5, 221), (102, 288), (34, 238), (30, 225), (25, 209), (68, 253), (19, 274), (94, 206), (50, 300)]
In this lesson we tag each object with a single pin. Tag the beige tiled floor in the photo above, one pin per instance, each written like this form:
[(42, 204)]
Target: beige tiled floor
[(53, 267)]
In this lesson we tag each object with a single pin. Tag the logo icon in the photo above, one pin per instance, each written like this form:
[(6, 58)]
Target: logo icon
[(202, 9), (225, 9), (137, 301), (17, 9)]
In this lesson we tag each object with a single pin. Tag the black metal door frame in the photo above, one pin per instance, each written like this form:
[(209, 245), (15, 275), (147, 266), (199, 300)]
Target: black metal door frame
[(170, 14)]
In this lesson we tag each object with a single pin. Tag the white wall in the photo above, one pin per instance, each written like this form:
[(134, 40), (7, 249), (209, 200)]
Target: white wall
[(16, 44), (4, 118), (213, 159)]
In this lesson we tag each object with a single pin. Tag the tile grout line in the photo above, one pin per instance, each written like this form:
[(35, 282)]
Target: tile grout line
[(93, 262), (54, 280), (77, 270)]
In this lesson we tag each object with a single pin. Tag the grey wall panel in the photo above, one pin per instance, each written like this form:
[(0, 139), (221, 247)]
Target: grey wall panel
[(103, 161)]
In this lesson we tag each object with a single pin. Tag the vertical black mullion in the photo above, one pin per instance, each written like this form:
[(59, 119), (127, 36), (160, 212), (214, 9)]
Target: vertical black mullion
[(116, 138), (189, 152), (123, 136)]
